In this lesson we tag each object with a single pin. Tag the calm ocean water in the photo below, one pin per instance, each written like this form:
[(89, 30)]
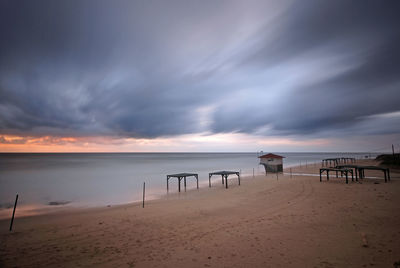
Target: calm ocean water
[(86, 179)]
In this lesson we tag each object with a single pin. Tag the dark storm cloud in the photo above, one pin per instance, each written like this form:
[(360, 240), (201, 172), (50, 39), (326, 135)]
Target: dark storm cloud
[(149, 69), (365, 37)]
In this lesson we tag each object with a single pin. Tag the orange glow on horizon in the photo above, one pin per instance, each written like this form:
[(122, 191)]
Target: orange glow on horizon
[(184, 143)]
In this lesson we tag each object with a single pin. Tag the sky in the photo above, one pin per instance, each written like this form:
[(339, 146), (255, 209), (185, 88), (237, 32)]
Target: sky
[(198, 76)]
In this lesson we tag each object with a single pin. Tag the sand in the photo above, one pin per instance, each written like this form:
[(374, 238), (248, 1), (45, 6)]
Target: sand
[(265, 222)]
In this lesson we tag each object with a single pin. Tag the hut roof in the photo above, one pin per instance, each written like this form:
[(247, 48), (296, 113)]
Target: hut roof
[(271, 156)]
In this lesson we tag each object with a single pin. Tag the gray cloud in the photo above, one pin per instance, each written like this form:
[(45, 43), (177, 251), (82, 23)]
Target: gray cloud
[(149, 69), (350, 52)]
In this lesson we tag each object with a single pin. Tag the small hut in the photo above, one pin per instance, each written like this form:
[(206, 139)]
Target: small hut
[(272, 162)]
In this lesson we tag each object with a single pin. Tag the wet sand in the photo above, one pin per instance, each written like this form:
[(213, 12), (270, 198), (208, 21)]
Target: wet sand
[(265, 222)]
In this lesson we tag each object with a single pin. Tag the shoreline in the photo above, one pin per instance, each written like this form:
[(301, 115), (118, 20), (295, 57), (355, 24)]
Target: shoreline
[(32, 210), (265, 222), (43, 209)]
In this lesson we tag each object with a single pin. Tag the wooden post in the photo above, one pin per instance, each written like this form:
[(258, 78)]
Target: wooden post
[(179, 184), (144, 189), (12, 218), (197, 180), (239, 178), (209, 180), (290, 172), (167, 184), (184, 182), (226, 181)]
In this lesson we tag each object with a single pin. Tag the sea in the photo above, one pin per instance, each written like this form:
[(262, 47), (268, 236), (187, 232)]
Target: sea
[(67, 180)]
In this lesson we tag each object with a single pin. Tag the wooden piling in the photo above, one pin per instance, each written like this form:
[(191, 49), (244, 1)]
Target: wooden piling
[(144, 189), (12, 218), (167, 184), (290, 172)]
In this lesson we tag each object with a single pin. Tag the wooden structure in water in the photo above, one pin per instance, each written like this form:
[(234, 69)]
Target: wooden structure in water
[(224, 174), (183, 176)]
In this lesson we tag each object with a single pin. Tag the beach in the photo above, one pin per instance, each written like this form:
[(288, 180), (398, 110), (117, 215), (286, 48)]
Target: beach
[(267, 221)]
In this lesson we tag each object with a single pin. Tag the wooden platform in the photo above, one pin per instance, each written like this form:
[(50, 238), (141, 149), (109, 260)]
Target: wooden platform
[(361, 171), (344, 171), (183, 176), (224, 174)]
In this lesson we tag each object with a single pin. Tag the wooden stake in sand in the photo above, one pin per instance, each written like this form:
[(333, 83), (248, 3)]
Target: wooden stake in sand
[(364, 240), (144, 188), (290, 172), (12, 218)]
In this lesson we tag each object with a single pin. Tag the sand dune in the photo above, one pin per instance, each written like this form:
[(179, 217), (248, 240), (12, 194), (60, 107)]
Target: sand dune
[(265, 222)]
